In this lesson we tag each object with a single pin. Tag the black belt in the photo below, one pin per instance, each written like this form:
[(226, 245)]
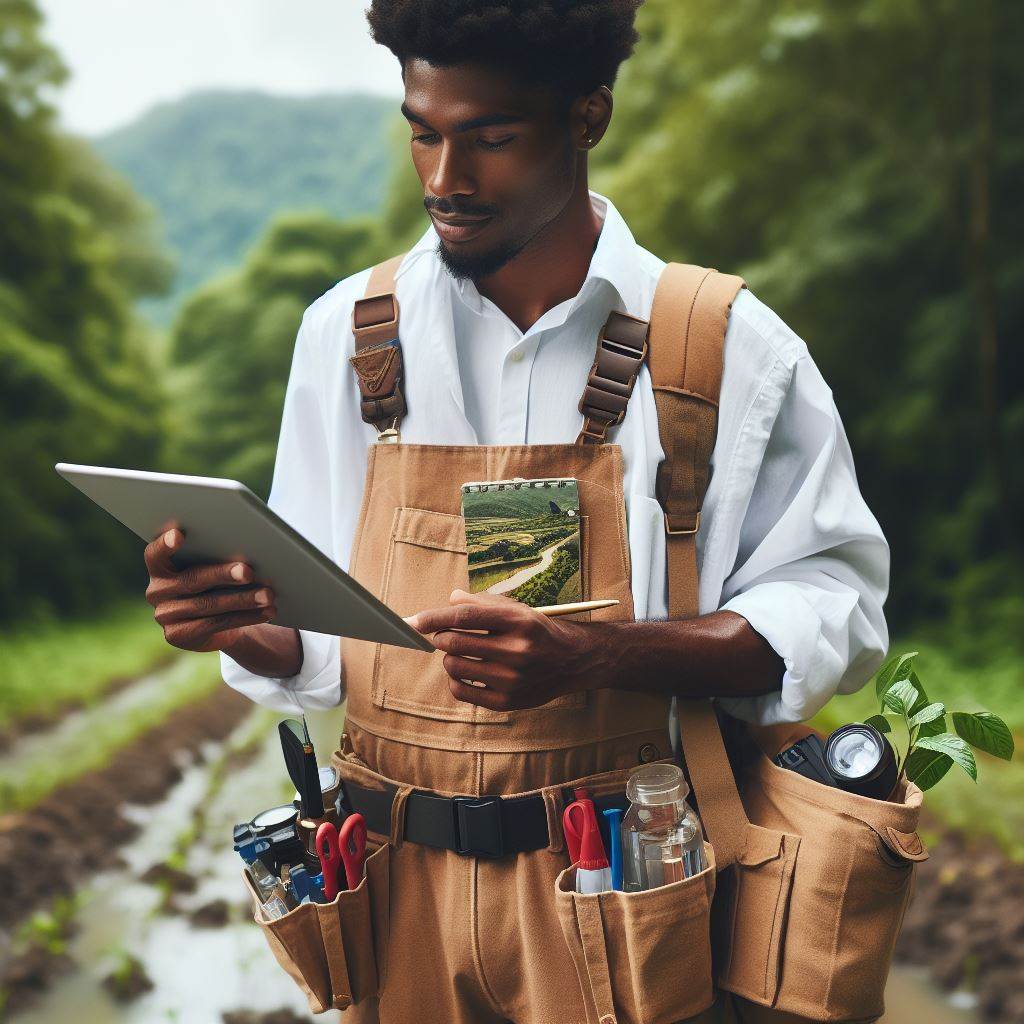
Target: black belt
[(476, 826)]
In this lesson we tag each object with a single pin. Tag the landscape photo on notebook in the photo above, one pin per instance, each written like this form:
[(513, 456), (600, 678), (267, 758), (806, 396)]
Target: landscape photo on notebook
[(523, 539)]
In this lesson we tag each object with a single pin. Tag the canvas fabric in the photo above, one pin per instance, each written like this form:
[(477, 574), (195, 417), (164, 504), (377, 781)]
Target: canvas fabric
[(797, 913)]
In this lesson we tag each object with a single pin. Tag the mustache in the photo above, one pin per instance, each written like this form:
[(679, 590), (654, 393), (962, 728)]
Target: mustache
[(458, 208)]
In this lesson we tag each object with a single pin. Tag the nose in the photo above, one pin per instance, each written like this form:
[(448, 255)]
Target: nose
[(450, 175)]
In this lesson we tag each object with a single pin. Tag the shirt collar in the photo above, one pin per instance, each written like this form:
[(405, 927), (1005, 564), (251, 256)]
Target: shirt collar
[(616, 260)]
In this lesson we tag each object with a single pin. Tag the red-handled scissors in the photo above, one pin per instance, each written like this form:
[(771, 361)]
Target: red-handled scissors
[(346, 847)]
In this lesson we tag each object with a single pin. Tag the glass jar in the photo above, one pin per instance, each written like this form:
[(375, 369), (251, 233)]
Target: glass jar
[(662, 841)]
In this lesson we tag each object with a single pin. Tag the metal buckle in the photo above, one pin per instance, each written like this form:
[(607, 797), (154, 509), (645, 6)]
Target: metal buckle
[(681, 533), (477, 826)]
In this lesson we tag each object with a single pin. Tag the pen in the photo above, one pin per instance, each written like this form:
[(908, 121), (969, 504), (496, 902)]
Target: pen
[(551, 610)]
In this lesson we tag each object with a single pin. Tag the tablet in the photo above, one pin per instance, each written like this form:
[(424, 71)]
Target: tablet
[(223, 521)]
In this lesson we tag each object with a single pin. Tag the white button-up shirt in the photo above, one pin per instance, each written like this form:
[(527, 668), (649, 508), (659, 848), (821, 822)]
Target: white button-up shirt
[(786, 539)]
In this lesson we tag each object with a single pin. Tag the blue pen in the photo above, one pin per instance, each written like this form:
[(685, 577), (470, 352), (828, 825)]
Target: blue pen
[(614, 816)]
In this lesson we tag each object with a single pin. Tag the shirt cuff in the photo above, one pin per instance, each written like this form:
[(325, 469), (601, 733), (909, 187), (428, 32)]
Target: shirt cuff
[(782, 615), (316, 686)]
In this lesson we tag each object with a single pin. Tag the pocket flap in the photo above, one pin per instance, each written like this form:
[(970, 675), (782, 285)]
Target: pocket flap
[(907, 845), (762, 845), (427, 529)]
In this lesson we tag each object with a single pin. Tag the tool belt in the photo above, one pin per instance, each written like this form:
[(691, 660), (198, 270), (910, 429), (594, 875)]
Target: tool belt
[(475, 826)]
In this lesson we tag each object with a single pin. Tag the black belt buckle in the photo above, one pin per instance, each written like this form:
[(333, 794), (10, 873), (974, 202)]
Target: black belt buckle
[(476, 824)]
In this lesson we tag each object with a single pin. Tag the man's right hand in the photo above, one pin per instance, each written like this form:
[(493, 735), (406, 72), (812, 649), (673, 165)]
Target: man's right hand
[(194, 618)]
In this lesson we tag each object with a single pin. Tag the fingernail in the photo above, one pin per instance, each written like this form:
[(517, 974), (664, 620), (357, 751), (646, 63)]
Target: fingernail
[(411, 619), (458, 593), (171, 538), (262, 597), (238, 572)]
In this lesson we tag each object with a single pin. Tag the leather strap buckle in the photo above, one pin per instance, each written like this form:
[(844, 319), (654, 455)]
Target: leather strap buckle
[(476, 823), (681, 533), (376, 311)]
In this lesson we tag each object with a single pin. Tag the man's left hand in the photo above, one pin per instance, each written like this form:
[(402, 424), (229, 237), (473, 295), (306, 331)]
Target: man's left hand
[(524, 659)]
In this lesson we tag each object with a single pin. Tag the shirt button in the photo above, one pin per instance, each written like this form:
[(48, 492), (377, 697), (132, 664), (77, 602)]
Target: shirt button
[(517, 356)]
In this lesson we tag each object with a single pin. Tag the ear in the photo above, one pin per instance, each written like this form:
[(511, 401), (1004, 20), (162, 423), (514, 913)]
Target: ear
[(590, 116)]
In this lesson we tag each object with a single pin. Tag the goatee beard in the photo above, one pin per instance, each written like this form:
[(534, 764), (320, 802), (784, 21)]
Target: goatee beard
[(473, 268)]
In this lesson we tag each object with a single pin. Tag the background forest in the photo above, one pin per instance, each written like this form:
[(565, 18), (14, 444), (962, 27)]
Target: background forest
[(859, 164)]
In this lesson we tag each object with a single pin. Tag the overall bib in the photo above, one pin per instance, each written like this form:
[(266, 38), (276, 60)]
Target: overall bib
[(472, 939)]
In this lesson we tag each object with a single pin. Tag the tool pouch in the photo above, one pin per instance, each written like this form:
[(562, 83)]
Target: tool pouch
[(335, 951), (641, 957), (807, 918)]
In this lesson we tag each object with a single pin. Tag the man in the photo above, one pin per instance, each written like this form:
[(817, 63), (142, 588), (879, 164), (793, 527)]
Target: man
[(502, 301)]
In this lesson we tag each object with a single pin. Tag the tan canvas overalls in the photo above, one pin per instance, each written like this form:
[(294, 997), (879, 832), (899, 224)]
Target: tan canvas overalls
[(454, 933)]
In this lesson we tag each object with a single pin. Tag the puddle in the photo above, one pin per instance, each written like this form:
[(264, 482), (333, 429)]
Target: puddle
[(197, 973)]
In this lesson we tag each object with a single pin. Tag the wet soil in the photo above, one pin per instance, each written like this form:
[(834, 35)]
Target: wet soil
[(966, 925), (78, 828)]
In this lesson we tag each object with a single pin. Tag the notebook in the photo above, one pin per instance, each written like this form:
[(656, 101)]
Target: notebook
[(523, 539)]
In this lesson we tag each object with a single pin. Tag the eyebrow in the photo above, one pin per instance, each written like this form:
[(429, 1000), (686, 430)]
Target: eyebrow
[(485, 121)]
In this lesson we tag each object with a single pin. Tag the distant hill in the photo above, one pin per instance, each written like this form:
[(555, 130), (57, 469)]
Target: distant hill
[(219, 165)]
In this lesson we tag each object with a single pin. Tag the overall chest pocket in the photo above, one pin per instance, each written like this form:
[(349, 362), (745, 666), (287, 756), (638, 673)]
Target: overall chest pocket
[(426, 560)]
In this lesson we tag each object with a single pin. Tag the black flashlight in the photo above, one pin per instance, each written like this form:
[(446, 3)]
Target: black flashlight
[(862, 761)]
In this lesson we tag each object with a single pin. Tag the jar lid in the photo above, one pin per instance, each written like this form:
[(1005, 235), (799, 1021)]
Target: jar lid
[(655, 784)]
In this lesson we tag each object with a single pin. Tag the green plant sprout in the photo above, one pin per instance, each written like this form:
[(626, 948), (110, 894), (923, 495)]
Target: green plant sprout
[(931, 748)]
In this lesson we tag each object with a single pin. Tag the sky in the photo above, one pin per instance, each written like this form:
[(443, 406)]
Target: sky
[(126, 55)]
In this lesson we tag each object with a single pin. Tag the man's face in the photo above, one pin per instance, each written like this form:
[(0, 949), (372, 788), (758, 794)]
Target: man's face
[(495, 158)]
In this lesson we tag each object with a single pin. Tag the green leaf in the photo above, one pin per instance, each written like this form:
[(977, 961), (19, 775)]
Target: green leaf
[(928, 713), (933, 728), (952, 746), (985, 731), (880, 722), (922, 698), (900, 696), (897, 667), (926, 767)]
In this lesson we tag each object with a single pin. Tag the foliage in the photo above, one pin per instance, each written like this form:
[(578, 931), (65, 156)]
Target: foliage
[(77, 371), (931, 750), (219, 165), (233, 340), (860, 164), (53, 663)]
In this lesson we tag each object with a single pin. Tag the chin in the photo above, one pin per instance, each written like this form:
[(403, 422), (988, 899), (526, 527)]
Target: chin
[(462, 264)]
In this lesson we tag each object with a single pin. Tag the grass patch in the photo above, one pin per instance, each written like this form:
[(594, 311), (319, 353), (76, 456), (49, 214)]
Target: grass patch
[(993, 806), (35, 777), (47, 666)]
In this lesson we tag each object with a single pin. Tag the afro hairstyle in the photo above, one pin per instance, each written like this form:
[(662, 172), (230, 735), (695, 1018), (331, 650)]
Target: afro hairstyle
[(571, 46)]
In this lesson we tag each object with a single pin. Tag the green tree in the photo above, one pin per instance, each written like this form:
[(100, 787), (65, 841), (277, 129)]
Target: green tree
[(77, 370), (859, 165)]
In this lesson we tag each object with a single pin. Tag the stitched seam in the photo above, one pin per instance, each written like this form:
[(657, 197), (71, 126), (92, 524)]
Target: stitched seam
[(475, 912)]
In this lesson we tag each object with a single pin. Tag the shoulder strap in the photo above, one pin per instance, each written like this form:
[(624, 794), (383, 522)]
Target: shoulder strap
[(378, 351), (685, 342), (689, 318)]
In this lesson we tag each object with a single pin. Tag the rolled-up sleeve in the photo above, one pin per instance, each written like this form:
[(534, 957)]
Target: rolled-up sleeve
[(812, 569), (301, 495)]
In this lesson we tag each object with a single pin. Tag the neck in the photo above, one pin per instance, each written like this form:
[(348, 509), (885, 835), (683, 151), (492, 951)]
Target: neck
[(552, 267)]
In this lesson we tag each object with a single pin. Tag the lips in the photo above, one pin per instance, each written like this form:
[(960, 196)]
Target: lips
[(459, 229)]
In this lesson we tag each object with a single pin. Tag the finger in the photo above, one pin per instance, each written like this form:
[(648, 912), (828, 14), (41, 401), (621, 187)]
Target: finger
[(494, 700), (496, 618), (158, 553), (492, 674), (211, 604), (503, 647), (191, 634), (197, 578)]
